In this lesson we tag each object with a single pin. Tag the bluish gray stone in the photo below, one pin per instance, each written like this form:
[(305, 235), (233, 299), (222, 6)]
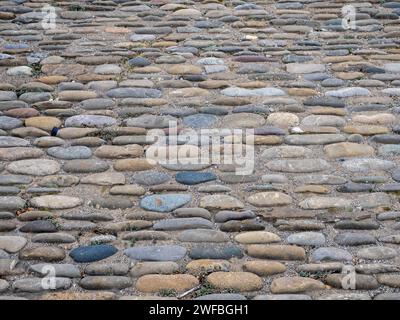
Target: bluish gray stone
[(349, 92), (203, 235), (215, 252), (198, 121), (139, 62), (7, 142), (150, 178), (315, 239), (156, 253), (192, 178), (327, 254), (92, 253), (354, 239), (70, 153), (165, 202)]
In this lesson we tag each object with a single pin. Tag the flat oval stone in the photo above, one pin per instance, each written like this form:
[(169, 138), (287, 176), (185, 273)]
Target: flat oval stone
[(85, 166), (198, 121), (253, 237), (276, 252), (295, 285), (39, 226), (193, 178), (243, 120), (156, 253), (223, 216), (220, 202), (91, 121), (354, 239), (269, 199), (19, 153), (164, 267), (104, 268), (105, 282), (377, 253), (165, 203), (55, 202), (8, 123), (158, 283), (238, 281), (150, 178), (203, 235), (11, 203), (242, 225), (264, 268), (348, 149), (12, 244), (92, 253), (215, 252), (69, 153), (43, 253), (35, 167), (331, 254), (7, 142), (58, 237), (315, 239), (192, 212)]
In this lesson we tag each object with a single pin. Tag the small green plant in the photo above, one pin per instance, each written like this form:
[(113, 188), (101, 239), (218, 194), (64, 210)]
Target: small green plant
[(76, 7), (106, 135), (54, 221), (319, 275), (36, 69), (168, 293), (304, 274), (130, 243), (205, 289), (21, 91)]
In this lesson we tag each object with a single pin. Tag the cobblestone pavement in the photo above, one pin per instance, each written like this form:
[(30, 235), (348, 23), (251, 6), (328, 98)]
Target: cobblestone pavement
[(86, 214)]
